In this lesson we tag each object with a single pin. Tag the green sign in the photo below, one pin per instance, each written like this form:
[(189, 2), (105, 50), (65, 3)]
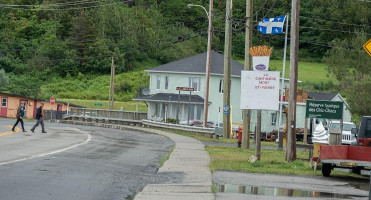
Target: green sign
[(97, 104), (324, 109)]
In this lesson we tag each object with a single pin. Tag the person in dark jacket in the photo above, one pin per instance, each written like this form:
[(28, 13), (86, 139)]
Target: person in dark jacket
[(40, 118), (20, 115)]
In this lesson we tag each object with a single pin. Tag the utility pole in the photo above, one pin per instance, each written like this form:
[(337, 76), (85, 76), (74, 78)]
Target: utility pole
[(208, 61), (294, 51), (227, 68), (112, 87), (258, 135), (247, 66)]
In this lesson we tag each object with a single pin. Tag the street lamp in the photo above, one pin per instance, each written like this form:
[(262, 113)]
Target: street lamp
[(208, 56)]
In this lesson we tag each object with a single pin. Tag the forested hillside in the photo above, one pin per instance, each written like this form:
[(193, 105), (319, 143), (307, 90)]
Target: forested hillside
[(44, 43)]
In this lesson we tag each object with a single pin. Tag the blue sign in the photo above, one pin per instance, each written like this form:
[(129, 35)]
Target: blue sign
[(226, 109)]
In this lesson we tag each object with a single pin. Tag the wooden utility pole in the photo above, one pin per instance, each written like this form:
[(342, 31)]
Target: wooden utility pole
[(247, 66), (112, 87), (227, 67), (294, 51), (258, 135), (208, 61)]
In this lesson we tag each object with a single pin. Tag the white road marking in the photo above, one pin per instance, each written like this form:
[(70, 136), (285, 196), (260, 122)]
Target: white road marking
[(49, 153)]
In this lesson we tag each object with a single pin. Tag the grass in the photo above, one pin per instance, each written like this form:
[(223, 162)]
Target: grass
[(272, 161), (307, 71), (221, 139), (128, 106), (165, 158)]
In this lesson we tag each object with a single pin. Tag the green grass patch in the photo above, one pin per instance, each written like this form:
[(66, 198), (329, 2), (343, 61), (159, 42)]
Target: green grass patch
[(307, 71), (221, 139), (128, 106), (165, 158), (272, 162)]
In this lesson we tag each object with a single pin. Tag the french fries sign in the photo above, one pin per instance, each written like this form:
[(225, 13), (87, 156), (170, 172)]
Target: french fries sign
[(260, 57)]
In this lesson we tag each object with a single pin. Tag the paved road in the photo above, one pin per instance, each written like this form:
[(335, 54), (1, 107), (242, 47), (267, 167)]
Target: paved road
[(79, 162)]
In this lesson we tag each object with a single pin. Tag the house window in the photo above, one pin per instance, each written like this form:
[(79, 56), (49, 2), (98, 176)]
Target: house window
[(158, 81), (195, 83), (4, 102), (166, 82), (195, 112), (273, 119), (221, 86)]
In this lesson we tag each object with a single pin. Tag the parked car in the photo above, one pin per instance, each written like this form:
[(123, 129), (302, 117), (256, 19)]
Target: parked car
[(213, 124), (196, 123), (347, 136), (185, 122)]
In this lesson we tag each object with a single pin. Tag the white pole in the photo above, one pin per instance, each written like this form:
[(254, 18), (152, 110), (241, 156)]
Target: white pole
[(283, 74)]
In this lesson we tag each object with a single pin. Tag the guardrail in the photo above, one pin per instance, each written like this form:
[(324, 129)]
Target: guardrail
[(186, 128), (101, 115)]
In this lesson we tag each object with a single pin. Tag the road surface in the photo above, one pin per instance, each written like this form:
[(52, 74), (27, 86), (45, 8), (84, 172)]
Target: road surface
[(77, 162)]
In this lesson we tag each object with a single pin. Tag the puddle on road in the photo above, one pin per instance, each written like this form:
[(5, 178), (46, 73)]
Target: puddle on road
[(278, 192)]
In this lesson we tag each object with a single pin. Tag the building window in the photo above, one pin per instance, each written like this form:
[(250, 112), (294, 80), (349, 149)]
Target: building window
[(273, 119), (221, 86), (158, 81), (4, 102), (195, 83), (166, 82), (195, 112)]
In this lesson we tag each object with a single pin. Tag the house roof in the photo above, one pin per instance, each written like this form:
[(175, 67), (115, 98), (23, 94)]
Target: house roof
[(322, 96), (197, 65), (170, 97), (38, 99)]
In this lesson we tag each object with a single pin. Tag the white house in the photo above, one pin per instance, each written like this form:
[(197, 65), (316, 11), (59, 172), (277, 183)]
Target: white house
[(162, 98)]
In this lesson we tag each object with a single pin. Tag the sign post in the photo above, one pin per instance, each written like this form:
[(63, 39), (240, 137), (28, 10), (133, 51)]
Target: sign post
[(189, 103), (52, 102)]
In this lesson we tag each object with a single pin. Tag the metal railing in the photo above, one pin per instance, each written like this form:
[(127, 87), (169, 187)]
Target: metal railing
[(107, 114)]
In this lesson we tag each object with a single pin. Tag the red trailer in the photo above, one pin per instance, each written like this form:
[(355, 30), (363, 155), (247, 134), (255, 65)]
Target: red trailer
[(343, 156)]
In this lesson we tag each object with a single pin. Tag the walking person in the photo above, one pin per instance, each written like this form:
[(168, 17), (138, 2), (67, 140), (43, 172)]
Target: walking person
[(20, 115), (40, 118)]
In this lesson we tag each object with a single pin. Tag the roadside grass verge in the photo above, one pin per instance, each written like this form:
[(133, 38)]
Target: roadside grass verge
[(272, 162), (221, 139), (127, 105), (165, 158)]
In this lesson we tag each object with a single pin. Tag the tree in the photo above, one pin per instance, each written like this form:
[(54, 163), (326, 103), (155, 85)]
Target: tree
[(351, 66), (4, 79)]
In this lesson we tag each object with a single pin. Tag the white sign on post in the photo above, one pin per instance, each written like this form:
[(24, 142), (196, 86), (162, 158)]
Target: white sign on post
[(260, 90)]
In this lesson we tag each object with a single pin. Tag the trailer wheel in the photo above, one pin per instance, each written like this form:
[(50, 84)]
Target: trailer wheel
[(357, 170), (326, 170)]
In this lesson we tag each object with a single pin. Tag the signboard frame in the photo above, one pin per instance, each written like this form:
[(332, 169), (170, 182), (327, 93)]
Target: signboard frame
[(324, 109), (260, 90), (185, 89)]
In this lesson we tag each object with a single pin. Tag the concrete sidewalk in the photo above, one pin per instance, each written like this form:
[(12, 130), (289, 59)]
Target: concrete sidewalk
[(188, 158)]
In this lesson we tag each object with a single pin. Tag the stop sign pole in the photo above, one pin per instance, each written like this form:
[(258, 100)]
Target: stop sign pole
[(52, 102)]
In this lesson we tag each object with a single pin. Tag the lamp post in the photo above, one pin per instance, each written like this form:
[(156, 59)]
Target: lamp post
[(208, 57)]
